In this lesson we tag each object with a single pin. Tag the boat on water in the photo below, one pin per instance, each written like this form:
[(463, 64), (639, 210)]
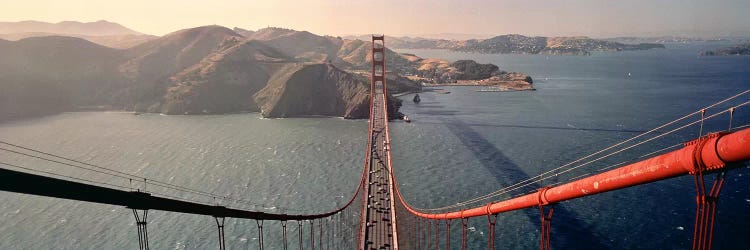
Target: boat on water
[(406, 118), (417, 99)]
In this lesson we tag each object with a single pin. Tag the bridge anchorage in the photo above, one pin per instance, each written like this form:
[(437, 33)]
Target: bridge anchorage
[(377, 216)]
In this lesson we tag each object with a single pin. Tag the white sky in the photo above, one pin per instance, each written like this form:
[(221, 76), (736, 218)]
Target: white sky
[(596, 18)]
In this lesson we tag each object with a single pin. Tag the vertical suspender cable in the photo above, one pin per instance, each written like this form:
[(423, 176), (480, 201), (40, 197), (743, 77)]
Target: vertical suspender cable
[(312, 234), (283, 233), (299, 234), (320, 234), (448, 234), (437, 235), (260, 233), (491, 220), (464, 223)]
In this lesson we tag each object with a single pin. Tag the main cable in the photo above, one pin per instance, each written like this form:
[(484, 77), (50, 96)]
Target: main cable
[(131, 177), (542, 177)]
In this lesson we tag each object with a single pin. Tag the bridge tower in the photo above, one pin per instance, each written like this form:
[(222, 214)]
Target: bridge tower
[(378, 214)]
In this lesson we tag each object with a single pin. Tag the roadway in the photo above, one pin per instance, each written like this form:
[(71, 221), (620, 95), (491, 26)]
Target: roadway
[(379, 212)]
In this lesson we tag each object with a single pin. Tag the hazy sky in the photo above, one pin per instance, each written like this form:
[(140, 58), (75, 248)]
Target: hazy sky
[(398, 17)]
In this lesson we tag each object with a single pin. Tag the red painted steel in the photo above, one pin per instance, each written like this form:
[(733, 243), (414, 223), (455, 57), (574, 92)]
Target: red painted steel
[(708, 153), (378, 75)]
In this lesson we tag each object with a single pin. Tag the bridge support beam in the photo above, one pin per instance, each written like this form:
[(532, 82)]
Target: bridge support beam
[(260, 234), (705, 211), (546, 227), (141, 218), (220, 227)]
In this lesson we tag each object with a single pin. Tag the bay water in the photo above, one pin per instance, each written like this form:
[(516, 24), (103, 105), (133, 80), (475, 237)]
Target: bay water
[(458, 146)]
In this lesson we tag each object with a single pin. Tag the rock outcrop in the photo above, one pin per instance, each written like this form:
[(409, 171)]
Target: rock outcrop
[(514, 76), (312, 89), (316, 90)]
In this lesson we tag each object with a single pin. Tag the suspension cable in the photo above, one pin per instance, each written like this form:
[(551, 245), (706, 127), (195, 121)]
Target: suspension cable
[(526, 183), (130, 177), (124, 175)]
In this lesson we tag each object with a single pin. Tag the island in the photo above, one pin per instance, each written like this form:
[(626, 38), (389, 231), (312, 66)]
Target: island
[(438, 72), (737, 50)]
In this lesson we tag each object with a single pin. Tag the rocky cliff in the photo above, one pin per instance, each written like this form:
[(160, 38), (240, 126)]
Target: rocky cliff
[(316, 90), (313, 89)]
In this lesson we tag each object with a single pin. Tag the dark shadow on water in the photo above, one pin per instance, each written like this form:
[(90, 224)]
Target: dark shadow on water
[(459, 124), (568, 230)]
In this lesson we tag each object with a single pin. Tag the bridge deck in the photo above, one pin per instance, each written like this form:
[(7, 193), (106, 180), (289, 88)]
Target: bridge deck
[(379, 213)]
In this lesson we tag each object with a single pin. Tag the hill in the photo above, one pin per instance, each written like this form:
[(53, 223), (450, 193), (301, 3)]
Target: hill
[(314, 89), (44, 75), (209, 69), (101, 32), (519, 44), (243, 32), (98, 28), (114, 41), (300, 44), (224, 81), (150, 65)]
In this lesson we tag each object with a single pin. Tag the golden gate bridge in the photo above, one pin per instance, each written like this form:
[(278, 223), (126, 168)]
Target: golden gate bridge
[(376, 216)]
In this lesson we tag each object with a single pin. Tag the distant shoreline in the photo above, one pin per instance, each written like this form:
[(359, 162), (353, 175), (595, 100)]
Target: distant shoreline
[(501, 85)]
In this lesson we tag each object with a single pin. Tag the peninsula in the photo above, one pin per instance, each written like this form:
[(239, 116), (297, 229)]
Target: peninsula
[(212, 70)]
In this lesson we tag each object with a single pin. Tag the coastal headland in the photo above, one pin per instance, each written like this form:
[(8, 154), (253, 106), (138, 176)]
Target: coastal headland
[(276, 72)]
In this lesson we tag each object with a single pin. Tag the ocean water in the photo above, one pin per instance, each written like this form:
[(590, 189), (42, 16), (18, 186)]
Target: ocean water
[(282, 165), (466, 144), (458, 146)]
